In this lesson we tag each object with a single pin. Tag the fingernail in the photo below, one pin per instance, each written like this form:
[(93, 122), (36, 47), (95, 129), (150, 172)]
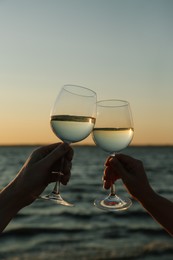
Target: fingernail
[(108, 162)]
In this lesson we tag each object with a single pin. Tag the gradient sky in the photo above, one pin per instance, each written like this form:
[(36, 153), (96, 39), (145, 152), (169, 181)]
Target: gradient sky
[(121, 49)]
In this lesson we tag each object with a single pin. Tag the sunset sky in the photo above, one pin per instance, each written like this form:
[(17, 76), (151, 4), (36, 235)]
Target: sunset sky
[(121, 49)]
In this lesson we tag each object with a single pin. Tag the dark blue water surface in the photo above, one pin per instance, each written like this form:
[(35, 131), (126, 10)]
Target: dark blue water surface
[(45, 231)]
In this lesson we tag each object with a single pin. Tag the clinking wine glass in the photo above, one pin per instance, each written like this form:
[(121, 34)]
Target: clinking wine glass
[(72, 119), (113, 131)]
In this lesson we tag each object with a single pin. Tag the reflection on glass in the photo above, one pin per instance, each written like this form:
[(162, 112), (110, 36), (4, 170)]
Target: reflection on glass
[(72, 119), (113, 131)]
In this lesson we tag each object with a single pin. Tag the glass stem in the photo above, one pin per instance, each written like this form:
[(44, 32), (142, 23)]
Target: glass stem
[(112, 189), (113, 185), (56, 189)]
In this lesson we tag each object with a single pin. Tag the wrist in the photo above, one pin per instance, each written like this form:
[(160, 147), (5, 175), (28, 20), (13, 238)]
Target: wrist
[(11, 198), (10, 204), (148, 197)]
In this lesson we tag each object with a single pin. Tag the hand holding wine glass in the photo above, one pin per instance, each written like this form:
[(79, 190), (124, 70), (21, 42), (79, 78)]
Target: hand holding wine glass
[(72, 120), (113, 131)]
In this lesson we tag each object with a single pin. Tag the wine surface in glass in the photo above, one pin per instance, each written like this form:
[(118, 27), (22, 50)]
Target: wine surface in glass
[(72, 129), (112, 139)]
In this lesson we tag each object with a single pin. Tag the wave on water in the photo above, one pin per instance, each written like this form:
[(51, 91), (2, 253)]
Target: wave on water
[(151, 251), (45, 231)]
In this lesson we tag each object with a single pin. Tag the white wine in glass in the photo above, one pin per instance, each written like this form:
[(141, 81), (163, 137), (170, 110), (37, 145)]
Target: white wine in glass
[(113, 131), (72, 119)]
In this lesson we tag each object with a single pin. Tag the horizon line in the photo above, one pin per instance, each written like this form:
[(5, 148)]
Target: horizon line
[(82, 144)]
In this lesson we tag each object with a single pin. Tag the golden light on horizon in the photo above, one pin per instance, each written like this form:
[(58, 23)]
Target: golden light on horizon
[(118, 57)]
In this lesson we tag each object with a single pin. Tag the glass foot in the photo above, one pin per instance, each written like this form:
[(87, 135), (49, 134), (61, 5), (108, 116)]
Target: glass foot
[(56, 197), (113, 203)]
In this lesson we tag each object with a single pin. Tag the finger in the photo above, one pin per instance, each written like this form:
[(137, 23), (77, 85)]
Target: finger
[(109, 177), (65, 178), (59, 176), (41, 152), (67, 172), (55, 176), (117, 167), (56, 154), (67, 167), (62, 166), (107, 161), (69, 155), (107, 184), (109, 173)]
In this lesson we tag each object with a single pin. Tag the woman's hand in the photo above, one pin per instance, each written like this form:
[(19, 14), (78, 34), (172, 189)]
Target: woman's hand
[(132, 173), (42, 168)]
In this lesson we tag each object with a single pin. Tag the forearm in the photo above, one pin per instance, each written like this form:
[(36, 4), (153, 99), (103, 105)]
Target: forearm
[(10, 204), (160, 209)]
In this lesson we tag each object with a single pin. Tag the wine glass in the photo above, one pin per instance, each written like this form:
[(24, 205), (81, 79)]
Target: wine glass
[(113, 131), (72, 119)]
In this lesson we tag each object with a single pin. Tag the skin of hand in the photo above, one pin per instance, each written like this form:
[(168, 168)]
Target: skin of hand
[(43, 167), (132, 173), (40, 169)]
